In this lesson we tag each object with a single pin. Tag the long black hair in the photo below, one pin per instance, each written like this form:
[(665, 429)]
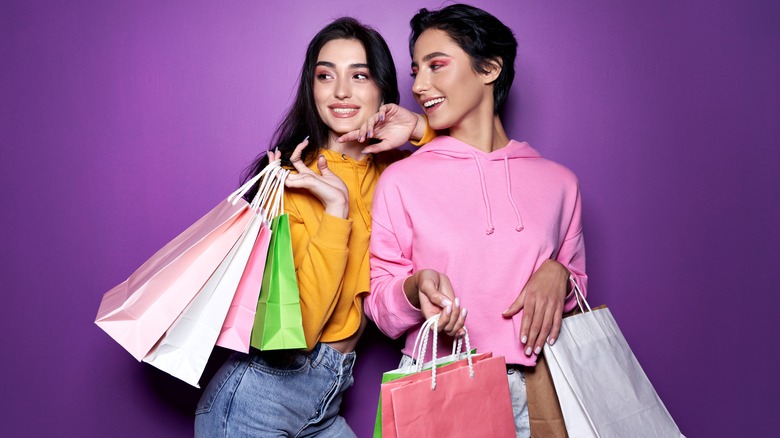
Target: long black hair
[(302, 118), (481, 35)]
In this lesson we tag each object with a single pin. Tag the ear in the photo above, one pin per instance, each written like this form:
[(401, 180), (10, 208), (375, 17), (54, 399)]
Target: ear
[(493, 69)]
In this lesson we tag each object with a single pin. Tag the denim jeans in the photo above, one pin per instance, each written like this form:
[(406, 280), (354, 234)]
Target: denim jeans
[(277, 394), (516, 377)]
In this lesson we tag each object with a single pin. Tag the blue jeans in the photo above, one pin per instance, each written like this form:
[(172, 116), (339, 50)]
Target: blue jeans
[(277, 394)]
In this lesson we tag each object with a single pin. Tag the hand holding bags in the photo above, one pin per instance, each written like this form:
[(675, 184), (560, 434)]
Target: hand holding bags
[(602, 389), (185, 349), (466, 398), (138, 311)]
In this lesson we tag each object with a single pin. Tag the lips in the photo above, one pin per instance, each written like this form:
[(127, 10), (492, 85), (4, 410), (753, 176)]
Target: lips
[(343, 111)]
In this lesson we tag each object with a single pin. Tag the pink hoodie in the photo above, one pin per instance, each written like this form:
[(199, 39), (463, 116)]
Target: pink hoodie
[(487, 220)]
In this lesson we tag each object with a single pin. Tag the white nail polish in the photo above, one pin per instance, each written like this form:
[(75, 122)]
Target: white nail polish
[(528, 351), (446, 302), (448, 309), (464, 312), (524, 339), (538, 350), (457, 302)]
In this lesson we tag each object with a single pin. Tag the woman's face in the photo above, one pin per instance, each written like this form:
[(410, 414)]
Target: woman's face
[(344, 91), (446, 86)]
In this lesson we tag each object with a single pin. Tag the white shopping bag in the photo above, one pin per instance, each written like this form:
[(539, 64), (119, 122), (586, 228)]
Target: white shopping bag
[(601, 387), (185, 348)]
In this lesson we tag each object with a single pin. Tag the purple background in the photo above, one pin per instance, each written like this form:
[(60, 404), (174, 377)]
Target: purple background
[(124, 123)]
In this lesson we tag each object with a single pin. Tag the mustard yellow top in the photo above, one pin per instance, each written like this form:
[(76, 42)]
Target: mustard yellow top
[(331, 254)]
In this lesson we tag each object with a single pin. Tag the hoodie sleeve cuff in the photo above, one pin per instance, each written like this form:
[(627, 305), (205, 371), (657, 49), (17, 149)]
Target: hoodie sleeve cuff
[(334, 232), (404, 310), (429, 134)]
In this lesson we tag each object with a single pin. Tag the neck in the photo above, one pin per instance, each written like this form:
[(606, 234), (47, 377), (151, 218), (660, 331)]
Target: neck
[(351, 149), (485, 132)]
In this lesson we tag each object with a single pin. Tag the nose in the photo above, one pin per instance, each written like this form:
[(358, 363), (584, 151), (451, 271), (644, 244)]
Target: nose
[(343, 89), (420, 84)]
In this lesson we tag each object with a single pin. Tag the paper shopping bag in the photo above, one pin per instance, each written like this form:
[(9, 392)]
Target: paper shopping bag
[(459, 401), (138, 311), (185, 348), (398, 373), (601, 387), (237, 328), (278, 321)]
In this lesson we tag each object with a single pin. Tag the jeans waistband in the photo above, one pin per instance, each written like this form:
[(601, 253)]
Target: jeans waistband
[(324, 354)]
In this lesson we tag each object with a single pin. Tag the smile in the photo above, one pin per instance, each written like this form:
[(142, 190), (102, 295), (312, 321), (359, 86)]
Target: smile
[(431, 103)]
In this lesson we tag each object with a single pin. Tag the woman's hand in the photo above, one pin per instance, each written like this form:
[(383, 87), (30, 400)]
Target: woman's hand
[(542, 298), (326, 186), (431, 292), (392, 124)]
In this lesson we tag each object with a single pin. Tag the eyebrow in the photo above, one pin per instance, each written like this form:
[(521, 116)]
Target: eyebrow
[(430, 56), (332, 65)]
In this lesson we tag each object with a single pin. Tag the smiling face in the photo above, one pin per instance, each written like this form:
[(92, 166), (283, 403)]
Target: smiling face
[(344, 91), (446, 86)]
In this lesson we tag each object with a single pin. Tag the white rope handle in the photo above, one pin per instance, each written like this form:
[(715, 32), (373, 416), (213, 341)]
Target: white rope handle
[(241, 191), (269, 207), (263, 191), (419, 353), (579, 296)]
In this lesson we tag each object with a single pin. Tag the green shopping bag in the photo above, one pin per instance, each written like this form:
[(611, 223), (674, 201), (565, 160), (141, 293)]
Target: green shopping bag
[(278, 322)]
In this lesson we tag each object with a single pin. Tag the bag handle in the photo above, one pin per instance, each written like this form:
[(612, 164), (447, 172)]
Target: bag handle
[(241, 191), (432, 324), (579, 296)]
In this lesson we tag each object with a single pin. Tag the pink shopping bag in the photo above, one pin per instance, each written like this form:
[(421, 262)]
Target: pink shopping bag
[(237, 328), (137, 312)]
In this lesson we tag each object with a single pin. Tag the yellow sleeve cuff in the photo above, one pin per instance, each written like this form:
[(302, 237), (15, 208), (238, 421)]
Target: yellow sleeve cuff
[(429, 135), (334, 232)]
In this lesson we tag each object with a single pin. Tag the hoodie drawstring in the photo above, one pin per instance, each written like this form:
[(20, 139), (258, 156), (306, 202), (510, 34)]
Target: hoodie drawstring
[(489, 229), (519, 227)]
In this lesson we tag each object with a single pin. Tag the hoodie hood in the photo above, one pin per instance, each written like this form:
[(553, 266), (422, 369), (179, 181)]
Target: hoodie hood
[(453, 148)]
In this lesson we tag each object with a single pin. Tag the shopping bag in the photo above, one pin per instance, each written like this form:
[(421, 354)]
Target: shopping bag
[(601, 387), (138, 311), (185, 348), (469, 397), (278, 320), (398, 373), (237, 328)]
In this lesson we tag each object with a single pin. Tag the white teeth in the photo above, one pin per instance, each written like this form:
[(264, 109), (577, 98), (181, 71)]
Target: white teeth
[(344, 110), (433, 102)]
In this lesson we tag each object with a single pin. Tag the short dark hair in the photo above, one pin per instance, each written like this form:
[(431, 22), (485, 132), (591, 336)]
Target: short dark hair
[(302, 119), (481, 35)]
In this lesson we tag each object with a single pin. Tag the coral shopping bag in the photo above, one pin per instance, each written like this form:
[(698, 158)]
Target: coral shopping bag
[(138, 311), (469, 398), (185, 349), (601, 387)]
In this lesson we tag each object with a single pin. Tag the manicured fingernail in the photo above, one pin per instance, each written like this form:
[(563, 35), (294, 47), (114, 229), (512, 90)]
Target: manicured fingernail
[(276, 150), (528, 351), (457, 302), (446, 302), (538, 350), (306, 139), (524, 339), (464, 311), (551, 341), (448, 309), (369, 134), (360, 139), (382, 118)]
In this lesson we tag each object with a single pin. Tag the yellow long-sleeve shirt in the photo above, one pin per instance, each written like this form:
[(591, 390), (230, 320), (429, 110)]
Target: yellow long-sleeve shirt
[(331, 254)]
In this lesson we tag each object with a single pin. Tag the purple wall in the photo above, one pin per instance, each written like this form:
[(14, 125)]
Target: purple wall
[(123, 123)]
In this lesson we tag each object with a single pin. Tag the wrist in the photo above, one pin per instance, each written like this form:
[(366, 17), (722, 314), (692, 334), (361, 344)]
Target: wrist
[(410, 290), (418, 132), (339, 209)]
